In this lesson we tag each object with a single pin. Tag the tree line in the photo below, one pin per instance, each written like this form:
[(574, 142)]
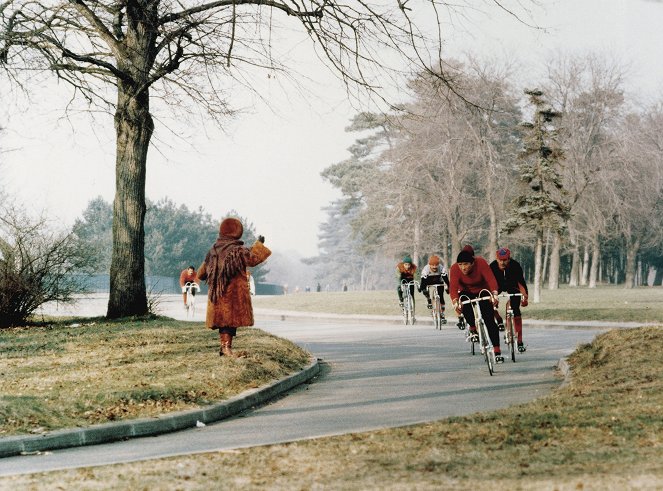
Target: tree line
[(175, 236), (568, 175)]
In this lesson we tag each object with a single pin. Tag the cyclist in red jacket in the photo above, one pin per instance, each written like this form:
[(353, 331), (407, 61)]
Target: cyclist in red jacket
[(468, 276)]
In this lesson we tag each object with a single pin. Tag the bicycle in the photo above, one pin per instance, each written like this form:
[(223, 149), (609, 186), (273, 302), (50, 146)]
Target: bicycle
[(190, 288), (509, 331), (408, 302), (437, 310), (482, 337)]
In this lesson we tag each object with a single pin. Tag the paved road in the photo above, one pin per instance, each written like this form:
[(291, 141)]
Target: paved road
[(376, 375)]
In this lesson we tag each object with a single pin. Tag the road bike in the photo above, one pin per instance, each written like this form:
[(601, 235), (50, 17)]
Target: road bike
[(190, 289), (509, 331), (482, 337), (408, 301), (437, 308)]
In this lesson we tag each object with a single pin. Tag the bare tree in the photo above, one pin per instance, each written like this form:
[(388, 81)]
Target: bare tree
[(37, 265), (119, 53), (588, 92)]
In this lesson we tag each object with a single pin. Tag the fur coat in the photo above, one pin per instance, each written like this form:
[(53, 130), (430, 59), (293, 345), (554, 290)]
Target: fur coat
[(233, 308)]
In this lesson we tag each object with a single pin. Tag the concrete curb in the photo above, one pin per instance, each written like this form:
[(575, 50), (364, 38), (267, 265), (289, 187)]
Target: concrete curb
[(425, 318), (165, 423)]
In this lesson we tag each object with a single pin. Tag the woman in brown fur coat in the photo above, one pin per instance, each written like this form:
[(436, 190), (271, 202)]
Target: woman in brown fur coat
[(224, 269)]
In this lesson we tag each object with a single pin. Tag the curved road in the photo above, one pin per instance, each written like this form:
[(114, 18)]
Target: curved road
[(375, 375)]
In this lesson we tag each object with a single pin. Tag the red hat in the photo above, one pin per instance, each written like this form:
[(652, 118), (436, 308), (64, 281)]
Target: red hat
[(231, 227), (468, 248), (503, 254), (434, 260)]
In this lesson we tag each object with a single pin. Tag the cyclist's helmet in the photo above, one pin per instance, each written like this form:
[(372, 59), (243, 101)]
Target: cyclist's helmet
[(407, 259), (434, 260)]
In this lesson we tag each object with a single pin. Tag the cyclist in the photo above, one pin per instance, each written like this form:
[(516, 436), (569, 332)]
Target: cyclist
[(188, 275), (468, 276), (434, 274), (510, 279), (405, 272)]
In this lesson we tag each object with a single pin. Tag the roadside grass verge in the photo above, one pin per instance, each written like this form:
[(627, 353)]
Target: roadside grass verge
[(605, 303), (602, 430), (79, 372)]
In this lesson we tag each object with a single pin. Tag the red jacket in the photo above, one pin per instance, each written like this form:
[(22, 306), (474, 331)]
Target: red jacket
[(481, 277), (186, 277)]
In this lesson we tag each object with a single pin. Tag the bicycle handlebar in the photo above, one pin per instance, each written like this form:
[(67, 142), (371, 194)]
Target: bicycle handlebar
[(475, 300), (509, 295)]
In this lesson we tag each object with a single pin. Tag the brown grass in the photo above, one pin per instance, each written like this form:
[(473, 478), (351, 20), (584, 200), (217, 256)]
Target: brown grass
[(68, 374)]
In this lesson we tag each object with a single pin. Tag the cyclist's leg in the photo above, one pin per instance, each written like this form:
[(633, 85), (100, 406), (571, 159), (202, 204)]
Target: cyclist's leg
[(487, 312), (440, 292), (400, 294), (184, 295), (518, 322), (468, 313), (425, 293), (412, 295)]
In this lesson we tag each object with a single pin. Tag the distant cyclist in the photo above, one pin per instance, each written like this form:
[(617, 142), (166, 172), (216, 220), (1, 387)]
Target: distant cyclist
[(405, 272), (467, 277), (510, 279), (434, 273), (188, 275)]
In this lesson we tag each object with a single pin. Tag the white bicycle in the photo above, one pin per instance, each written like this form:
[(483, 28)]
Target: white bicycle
[(407, 287), (190, 289), (481, 337)]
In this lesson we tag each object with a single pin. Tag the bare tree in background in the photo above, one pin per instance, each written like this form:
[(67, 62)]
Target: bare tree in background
[(117, 54), (588, 92)]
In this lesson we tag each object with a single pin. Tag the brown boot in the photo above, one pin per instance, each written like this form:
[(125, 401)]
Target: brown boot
[(226, 345)]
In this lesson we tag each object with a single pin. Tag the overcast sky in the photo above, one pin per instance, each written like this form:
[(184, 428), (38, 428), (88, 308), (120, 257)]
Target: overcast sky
[(267, 163)]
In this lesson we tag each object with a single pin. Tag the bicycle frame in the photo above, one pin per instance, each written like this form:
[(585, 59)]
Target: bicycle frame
[(190, 297), (408, 302), (485, 346), (436, 311), (509, 333)]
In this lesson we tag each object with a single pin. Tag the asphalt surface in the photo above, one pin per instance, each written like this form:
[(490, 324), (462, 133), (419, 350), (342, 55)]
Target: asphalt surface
[(374, 373)]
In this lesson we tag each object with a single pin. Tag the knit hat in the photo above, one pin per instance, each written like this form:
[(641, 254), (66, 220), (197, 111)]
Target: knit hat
[(468, 248), (465, 257), (232, 228), (433, 260), (503, 254), (407, 259)]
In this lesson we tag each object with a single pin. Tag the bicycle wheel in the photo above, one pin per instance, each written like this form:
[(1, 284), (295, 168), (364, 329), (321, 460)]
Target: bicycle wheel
[(510, 335), (436, 313), (485, 346), (406, 312)]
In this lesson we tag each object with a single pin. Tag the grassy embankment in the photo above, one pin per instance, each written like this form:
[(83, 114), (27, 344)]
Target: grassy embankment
[(603, 430)]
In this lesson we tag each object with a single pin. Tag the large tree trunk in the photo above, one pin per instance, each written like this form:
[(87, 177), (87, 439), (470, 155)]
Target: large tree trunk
[(553, 274), (594, 268), (575, 259), (133, 128), (632, 250), (584, 278), (538, 267)]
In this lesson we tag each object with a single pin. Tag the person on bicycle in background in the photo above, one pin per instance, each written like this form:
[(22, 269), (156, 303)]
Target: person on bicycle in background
[(188, 275), (434, 273), (405, 272), (510, 279), (468, 276)]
